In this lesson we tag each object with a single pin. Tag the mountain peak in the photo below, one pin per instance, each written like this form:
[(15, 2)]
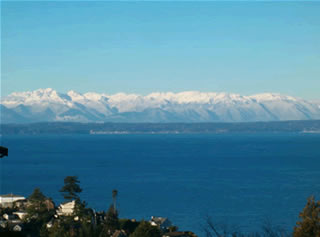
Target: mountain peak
[(46, 90), (186, 106), (75, 96), (273, 97)]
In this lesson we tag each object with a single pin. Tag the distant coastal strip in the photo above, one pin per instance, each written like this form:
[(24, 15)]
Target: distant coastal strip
[(301, 126)]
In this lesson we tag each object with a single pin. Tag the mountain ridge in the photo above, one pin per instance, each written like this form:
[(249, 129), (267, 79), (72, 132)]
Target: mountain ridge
[(48, 105)]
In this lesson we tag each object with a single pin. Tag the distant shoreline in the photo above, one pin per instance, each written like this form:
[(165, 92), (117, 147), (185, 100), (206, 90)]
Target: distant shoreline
[(301, 126)]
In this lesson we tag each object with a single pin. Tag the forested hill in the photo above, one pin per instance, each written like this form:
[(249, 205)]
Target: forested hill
[(307, 126)]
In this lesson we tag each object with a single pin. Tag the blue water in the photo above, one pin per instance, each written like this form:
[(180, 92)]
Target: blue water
[(237, 179)]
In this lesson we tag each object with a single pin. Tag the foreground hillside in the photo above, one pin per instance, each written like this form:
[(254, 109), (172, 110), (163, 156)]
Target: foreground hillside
[(38, 216), (48, 105)]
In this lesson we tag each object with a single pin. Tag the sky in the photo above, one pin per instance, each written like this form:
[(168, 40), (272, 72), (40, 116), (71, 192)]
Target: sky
[(143, 47)]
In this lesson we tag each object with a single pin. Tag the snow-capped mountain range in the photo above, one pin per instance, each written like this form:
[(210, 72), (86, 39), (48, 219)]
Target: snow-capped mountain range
[(190, 106)]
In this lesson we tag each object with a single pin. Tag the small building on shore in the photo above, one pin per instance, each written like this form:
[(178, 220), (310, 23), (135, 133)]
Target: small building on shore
[(17, 228), (7, 200), (162, 223), (66, 209), (9, 216), (20, 214)]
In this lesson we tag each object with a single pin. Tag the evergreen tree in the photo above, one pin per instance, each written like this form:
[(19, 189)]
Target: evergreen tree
[(145, 229), (37, 204), (309, 225), (37, 212), (71, 188), (37, 196), (37, 201)]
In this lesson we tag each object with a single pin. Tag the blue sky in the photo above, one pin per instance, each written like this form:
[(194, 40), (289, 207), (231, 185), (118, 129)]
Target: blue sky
[(141, 47)]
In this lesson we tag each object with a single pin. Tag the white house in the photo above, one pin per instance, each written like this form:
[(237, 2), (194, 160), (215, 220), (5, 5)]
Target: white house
[(17, 228), (3, 224), (9, 216), (7, 200), (20, 214), (161, 222), (49, 224), (66, 209)]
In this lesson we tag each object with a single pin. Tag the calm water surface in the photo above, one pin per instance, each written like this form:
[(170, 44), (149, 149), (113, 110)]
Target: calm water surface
[(238, 179)]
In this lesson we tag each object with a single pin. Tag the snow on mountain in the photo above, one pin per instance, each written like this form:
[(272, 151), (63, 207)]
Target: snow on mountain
[(189, 106)]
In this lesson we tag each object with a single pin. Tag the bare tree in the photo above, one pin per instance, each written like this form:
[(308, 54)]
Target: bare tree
[(212, 229)]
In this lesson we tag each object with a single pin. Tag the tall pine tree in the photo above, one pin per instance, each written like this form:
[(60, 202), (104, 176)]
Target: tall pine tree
[(71, 188)]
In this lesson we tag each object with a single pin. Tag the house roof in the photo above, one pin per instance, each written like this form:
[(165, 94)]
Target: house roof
[(11, 195), (22, 200), (19, 212), (159, 220), (68, 202), (176, 234)]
